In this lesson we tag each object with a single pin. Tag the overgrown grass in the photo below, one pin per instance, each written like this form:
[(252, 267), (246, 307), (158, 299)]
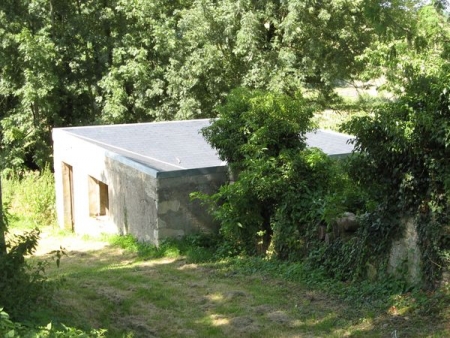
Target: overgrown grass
[(30, 199)]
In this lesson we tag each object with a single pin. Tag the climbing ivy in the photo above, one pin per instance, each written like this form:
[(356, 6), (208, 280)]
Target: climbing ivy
[(404, 163)]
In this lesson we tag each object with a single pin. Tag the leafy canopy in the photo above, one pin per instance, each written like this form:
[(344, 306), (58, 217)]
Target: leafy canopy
[(69, 63)]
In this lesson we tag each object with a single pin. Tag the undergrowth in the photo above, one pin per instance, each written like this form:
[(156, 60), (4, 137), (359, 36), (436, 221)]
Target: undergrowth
[(30, 199), (12, 329), (25, 289)]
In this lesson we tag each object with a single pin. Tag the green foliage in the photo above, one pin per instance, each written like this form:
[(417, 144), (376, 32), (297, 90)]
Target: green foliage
[(301, 207), (7, 326), (12, 329), (256, 124), (142, 249), (23, 286), (196, 248), (404, 165), (69, 63), (271, 45), (413, 41), (31, 198), (76, 63), (280, 191), (380, 294), (277, 184)]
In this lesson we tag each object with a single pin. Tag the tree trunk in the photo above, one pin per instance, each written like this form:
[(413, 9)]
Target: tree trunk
[(2, 225)]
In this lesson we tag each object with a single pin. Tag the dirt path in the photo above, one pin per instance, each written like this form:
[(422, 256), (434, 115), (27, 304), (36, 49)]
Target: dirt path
[(48, 243)]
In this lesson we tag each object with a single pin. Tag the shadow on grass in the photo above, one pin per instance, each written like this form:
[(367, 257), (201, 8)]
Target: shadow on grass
[(113, 289)]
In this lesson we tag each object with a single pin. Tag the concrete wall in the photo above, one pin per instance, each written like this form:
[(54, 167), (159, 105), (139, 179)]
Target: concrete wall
[(131, 190), (133, 200), (85, 161), (405, 258), (140, 201), (178, 214)]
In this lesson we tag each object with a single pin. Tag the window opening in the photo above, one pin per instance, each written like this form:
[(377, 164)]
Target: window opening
[(98, 198)]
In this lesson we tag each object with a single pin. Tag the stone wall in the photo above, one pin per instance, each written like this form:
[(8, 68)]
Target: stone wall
[(404, 255)]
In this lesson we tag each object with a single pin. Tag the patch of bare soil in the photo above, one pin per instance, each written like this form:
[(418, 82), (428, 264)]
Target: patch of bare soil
[(49, 243)]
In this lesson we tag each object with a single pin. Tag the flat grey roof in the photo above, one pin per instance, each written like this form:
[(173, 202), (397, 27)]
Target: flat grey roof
[(178, 145)]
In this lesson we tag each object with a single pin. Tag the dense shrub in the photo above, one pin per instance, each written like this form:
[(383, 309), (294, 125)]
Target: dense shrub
[(400, 169), (281, 191), (23, 286), (404, 165), (12, 329), (277, 183)]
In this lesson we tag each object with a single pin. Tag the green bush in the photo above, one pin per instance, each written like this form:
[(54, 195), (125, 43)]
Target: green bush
[(278, 185), (301, 205), (280, 192), (12, 329), (23, 286), (256, 124)]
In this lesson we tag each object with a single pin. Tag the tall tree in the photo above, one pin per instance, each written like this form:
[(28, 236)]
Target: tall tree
[(65, 63), (281, 46), (68, 63), (411, 41)]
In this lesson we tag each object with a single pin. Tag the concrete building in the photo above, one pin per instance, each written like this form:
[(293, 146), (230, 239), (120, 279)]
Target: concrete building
[(136, 178)]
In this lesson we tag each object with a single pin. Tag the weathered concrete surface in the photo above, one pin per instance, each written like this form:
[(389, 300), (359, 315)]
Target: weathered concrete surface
[(72, 194), (148, 204), (133, 200), (178, 214), (404, 258)]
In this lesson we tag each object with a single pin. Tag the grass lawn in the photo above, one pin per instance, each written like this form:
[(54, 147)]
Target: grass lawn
[(130, 296)]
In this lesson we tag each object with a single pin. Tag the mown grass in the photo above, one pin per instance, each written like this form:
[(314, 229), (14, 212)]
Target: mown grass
[(133, 289)]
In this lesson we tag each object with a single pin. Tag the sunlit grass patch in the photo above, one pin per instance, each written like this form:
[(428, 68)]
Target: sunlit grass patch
[(189, 247), (115, 288)]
